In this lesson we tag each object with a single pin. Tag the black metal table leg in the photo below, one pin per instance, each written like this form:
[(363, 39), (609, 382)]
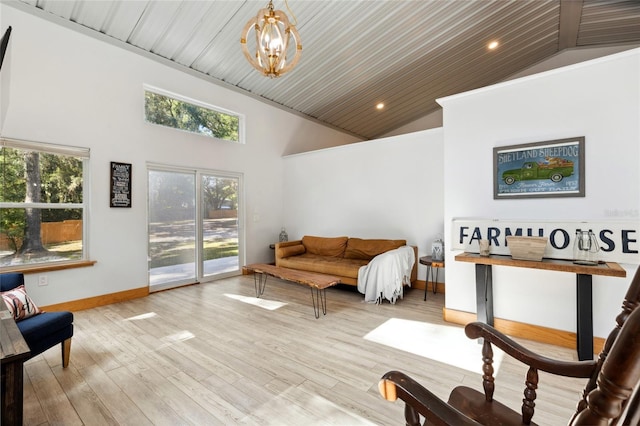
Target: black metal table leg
[(426, 282), (434, 284), (259, 282), (319, 299), (584, 300), (484, 294)]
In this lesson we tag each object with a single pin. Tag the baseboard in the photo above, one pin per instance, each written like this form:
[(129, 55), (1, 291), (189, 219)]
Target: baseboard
[(536, 333), (419, 284), (94, 302)]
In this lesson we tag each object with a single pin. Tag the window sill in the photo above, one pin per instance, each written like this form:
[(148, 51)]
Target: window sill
[(32, 269)]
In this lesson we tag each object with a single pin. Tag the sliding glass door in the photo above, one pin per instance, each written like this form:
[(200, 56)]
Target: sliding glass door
[(172, 228), (192, 226), (220, 239)]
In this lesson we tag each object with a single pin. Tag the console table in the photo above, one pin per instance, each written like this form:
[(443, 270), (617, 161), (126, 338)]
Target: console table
[(15, 352), (584, 273)]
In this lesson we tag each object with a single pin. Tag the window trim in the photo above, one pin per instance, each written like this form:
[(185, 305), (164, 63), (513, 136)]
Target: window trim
[(48, 267), (201, 104)]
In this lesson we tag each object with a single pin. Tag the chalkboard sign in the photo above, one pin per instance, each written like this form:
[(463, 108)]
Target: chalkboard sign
[(120, 185)]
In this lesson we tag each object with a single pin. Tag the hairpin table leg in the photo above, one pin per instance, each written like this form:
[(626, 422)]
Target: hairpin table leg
[(259, 282), (319, 299)]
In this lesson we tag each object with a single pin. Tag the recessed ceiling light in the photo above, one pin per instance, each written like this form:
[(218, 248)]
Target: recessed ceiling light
[(493, 45), (380, 106)]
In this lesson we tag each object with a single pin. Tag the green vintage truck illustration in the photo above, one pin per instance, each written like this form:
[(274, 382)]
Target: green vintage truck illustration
[(555, 169)]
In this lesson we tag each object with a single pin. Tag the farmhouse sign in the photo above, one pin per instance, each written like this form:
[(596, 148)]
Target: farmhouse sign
[(618, 240)]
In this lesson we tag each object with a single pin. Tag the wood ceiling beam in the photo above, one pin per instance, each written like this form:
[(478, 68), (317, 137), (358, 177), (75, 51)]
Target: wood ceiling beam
[(570, 14)]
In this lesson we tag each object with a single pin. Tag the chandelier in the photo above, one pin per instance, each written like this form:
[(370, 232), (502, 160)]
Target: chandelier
[(273, 34)]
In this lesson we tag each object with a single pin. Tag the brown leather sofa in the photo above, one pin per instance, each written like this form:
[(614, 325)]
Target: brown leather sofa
[(337, 256)]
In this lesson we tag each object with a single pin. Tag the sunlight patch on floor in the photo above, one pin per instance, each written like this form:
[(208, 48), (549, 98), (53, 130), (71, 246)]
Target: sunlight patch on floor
[(441, 343), (180, 336), (271, 305), (142, 316)]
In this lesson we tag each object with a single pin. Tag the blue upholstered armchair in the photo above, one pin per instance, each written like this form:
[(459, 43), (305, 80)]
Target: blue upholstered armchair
[(44, 330)]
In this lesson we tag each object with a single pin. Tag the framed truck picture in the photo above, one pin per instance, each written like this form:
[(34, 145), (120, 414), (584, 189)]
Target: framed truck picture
[(539, 170)]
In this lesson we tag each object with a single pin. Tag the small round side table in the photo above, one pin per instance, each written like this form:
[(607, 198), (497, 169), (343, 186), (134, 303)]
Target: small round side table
[(431, 264)]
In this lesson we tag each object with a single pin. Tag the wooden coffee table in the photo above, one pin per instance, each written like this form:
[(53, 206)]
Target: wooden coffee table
[(318, 283)]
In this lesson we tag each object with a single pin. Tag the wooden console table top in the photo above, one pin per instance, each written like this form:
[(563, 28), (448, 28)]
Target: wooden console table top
[(610, 269)]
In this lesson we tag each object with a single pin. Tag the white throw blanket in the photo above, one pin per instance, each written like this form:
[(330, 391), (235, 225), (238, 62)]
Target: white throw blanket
[(385, 275)]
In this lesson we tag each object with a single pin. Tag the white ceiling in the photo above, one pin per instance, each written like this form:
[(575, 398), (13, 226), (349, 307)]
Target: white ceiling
[(357, 53)]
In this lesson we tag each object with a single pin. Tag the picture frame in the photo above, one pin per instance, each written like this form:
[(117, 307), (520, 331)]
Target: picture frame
[(544, 169), (120, 195)]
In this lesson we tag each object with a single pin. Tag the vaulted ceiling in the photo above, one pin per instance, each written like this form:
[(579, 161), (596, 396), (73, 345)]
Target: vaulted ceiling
[(358, 53)]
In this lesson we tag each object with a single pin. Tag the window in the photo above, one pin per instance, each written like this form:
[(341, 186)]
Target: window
[(166, 110), (42, 203)]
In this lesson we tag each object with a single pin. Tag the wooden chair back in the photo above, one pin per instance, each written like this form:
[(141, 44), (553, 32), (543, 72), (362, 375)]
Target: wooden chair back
[(629, 304), (609, 402), (611, 395)]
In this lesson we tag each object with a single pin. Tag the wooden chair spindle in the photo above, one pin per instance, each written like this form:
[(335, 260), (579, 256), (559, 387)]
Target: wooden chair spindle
[(488, 381), (528, 403)]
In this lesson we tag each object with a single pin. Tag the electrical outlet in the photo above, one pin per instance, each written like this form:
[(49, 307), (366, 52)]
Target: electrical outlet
[(43, 280)]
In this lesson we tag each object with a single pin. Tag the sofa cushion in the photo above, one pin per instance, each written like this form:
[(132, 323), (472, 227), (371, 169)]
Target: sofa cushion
[(288, 251), (46, 323), (19, 303), (324, 265), (367, 249), (11, 280), (322, 246), (43, 331)]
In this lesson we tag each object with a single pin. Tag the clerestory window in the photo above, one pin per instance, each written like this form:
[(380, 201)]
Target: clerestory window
[(43, 215), (170, 110)]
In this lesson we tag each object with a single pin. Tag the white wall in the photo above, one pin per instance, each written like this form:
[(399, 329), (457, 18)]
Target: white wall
[(387, 188), (600, 100), (71, 89)]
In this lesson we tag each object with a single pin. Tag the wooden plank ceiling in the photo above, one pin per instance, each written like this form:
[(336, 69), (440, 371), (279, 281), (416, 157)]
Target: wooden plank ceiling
[(358, 53)]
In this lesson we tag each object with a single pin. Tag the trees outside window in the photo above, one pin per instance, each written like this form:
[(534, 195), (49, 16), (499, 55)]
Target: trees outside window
[(171, 112), (220, 193), (41, 203)]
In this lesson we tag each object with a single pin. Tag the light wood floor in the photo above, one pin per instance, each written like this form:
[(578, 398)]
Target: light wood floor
[(195, 355)]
